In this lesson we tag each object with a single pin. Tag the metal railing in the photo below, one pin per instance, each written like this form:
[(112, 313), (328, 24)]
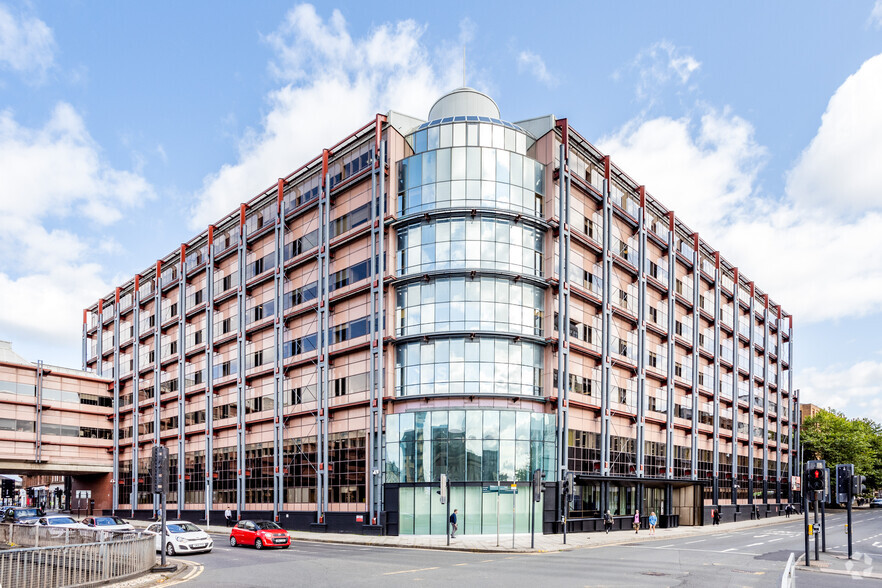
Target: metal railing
[(108, 556), (788, 580)]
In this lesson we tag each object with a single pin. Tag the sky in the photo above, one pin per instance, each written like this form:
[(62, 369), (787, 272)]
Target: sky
[(127, 128)]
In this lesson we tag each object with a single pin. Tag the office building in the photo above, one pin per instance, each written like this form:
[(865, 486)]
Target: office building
[(390, 312)]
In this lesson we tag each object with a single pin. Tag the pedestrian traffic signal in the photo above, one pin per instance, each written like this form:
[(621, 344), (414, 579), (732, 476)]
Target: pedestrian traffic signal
[(858, 486), (443, 491), (571, 483), (537, 485), (815, 476)]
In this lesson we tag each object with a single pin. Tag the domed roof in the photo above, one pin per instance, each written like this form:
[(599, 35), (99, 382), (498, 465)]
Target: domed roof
[(464, 102)]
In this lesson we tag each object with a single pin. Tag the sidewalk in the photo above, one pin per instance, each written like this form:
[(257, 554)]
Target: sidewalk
[(487, 543)]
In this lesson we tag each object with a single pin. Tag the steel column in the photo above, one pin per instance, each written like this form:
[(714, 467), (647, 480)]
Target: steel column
[(606, 365), (209, 377), (563, 318), (116, 341), (376, 329), (240, 369), (766, 400), (182, 398), (136, 383), (716, 383), (278, 374), (322, 343), (696, 354), (736, 377), (38, 425), (641, 334), (750, 389), (669, 384), (157, 361)]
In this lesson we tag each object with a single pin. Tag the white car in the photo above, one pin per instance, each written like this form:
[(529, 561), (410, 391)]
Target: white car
[(108, 523), (60, 522), (181, 537)]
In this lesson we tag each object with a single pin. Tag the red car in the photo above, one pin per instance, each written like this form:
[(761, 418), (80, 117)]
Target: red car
[(260, 534)]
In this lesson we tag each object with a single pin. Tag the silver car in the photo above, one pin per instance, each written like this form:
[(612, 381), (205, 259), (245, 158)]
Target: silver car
[(181, 537)]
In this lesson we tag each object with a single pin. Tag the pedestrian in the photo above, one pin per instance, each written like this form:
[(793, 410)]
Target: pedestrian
[(607, 521), (228, 514), (716, 515), (653, 521), (453, 525), (636, 522), (788, 510)]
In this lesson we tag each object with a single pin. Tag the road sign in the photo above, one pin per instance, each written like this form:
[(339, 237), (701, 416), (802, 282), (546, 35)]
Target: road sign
[(513, 489)]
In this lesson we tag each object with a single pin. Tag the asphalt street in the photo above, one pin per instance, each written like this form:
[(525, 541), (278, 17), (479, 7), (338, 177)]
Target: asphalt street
[(750, 557)]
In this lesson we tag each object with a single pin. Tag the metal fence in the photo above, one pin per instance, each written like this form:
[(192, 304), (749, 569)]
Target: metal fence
[(82, 564), (49, 536)]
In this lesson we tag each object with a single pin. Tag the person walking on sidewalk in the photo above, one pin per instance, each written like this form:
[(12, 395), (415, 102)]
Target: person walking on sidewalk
[(607, 521), (653, 521), (636, 522), (228, 515), (715, 515), (453, 525), (788, 510)]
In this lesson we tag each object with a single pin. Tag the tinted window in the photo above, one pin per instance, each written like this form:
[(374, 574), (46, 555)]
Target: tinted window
[(267, 525), (182, 528), (60, 521)]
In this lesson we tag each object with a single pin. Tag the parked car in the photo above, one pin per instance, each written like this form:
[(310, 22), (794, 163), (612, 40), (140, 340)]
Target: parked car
[(260, 534), (108, 523), (22, 515), (877, 503), (181, 537), (60, 522)]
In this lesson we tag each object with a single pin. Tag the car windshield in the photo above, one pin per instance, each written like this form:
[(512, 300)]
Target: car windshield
[(183, 528), (27, 512), (109, 521), (266, 525), (60, 521)]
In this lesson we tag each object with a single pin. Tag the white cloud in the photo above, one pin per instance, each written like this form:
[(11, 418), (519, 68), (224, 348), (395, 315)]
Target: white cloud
[(27, 44), (334, 84), (701, 169), (840, 167), (58, 170), (55, 174), (535, 65), (876, 14), (661, 63), (818, 261), (857, 388)]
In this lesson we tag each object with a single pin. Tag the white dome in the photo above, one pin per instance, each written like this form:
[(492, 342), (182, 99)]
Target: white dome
[(464, 102)]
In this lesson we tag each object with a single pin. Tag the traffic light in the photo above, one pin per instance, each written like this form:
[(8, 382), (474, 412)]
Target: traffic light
[(858, 486), (815, 476), (443, 491), (844, 473), (160, 469), (571, 483), (537, 485)]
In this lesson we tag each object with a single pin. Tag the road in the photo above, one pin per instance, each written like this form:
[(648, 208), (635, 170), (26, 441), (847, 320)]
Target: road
[(750, 557)]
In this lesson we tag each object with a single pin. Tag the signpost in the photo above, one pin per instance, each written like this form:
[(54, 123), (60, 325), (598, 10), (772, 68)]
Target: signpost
[(537, 497), (513, 489)]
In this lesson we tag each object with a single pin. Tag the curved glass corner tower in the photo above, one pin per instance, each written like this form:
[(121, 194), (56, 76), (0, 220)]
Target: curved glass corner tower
[(469, 316)]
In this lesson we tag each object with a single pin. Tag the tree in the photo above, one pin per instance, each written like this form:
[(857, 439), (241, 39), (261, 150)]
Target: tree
[(830, 436)]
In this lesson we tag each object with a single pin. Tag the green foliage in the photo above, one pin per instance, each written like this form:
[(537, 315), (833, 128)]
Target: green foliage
[(830, 436)]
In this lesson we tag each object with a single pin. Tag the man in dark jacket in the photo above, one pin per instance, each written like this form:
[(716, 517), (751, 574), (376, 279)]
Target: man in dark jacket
[(607, 521), (716, 515), (453, 525)]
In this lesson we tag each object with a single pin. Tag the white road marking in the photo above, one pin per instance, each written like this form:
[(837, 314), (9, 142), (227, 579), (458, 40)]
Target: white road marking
[(727, 550), (410, 571), (755, 544), (778, 539), (691, 542)]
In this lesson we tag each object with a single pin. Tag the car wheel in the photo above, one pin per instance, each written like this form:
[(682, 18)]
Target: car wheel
[(232, 541), (258, 544), (169, 549)]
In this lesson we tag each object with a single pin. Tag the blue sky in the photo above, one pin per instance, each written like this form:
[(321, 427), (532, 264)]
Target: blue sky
[(759, 123)]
